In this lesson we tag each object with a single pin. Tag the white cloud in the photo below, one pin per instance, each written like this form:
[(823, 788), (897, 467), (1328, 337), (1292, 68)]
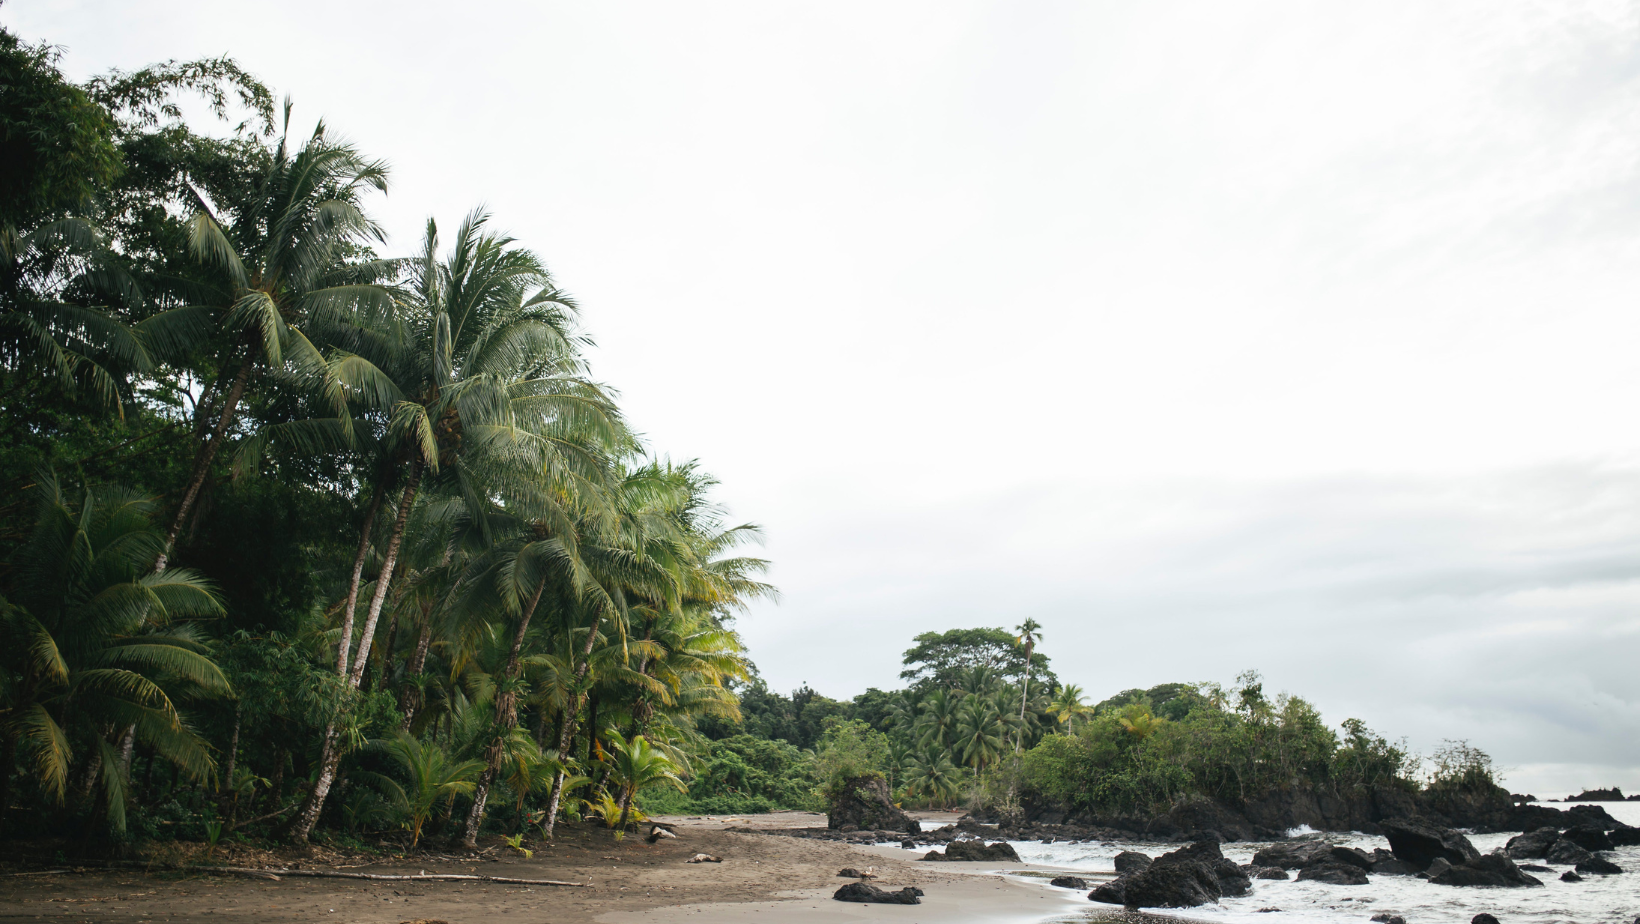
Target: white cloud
[(1283, 335)]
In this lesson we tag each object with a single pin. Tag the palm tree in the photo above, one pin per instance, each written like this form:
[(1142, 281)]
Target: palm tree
[(282, 254), (81, 349), (634, 764), (1030, 631), (479, 383), (431, 776), (1067, 706), (89, 645)]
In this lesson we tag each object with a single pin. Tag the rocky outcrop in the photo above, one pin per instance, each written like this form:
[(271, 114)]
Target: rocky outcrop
[(1533, 845), (1613, 794), (1325, 869), (1599, 865), (1566, 853), (1292, 855), (976, 851), (1269, 872), (864, 805), (1130, 861), (1493, 869), (1233, 882), (1183, 884), (1110, 892), (1624, 836), (1423, 844), (1068, 882), (1588, 837), (870, 894)]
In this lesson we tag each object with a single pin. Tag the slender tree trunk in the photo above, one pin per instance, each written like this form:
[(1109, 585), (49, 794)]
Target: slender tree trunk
[(627, 792), (330, 753), (410, 699), (506, 709), (230, 799), (386, 577), (342, 649), (202, 462), (8, 761), (566, 731)]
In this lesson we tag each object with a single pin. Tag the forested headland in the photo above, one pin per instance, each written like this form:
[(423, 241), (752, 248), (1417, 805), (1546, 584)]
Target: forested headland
[(304, 537)]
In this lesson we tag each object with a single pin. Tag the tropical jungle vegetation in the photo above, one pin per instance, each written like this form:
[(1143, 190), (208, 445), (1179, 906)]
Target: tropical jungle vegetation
[(300, 538)]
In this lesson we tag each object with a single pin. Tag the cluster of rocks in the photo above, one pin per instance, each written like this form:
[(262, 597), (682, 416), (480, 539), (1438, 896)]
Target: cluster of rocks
[(1184, 878), (976, 851), (1576, 847)]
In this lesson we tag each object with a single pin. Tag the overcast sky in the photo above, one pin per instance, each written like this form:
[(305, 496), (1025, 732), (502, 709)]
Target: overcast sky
[(1296, 337)]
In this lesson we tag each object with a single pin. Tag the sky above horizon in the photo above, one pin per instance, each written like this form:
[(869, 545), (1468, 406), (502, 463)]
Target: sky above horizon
[(1280, 336)]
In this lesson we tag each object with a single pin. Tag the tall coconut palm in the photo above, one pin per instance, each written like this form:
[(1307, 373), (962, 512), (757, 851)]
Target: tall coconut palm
[(478, 383), (88, 644), (1067, 707), (282, 256), (1030, 632)]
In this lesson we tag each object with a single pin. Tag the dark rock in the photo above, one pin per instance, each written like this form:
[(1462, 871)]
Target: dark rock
[(1394, 867), (1271, 872), (1566, 853), (1483, 918), (1494, 869), (1613, 794), (1289, 856), (1532, 817), (1570, 876), (1385, 917), (849, 872), (1273, 910), (1625, 836), (1591, 816), (908, 845), (870, 894), (1533, 845), (1535, 868), (1068, 882), (1130, 861), (1588, 837), (864, 804), (976, 851), (1421, 844), (1110, 892), (1599, 865), (1332, 872), (1351, 856), (1180, 884), (1439, 866), (1232, 881)]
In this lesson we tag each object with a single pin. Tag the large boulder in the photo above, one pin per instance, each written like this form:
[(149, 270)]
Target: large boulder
[(1110, 892), (1421, 844), (870, 894), (1182, 884), (1328, 870), (864, 804), (976, 852), (1588, 837), (1290, 855), (1533, 845), (1599, 865), (1625, 836), (1494, 869), (1131, 861), (1591, 816), (1068, 882), (1351, 856), (1233, 881), (1566, 853)]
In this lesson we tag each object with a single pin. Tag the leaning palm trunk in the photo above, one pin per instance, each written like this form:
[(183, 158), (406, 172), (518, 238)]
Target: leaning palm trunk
[(330, 754), (202, 462), (566, 732), (352, 604), (506, 714)]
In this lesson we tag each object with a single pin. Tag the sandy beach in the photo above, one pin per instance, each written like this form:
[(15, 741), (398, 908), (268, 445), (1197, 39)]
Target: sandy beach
[(762, 877)]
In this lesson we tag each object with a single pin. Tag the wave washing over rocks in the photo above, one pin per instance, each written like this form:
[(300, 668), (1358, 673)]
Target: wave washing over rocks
[(1588, 898)]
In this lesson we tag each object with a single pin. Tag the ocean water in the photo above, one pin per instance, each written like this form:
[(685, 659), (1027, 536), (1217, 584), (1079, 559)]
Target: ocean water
[(1595, 900)]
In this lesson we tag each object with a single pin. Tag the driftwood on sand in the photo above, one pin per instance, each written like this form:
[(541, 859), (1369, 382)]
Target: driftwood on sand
[(278, 874)]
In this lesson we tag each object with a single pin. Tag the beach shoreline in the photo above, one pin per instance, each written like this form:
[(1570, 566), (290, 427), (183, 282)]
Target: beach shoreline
[(762, 876)]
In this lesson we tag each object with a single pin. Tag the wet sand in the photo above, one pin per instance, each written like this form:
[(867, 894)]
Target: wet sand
[(763, 877)]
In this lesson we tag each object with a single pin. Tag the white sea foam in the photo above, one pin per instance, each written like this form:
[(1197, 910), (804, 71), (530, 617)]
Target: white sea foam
[(1595, 900)]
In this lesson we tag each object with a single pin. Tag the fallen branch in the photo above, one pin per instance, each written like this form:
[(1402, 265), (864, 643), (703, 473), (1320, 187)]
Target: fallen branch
[(252, 821), (382, 877)]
